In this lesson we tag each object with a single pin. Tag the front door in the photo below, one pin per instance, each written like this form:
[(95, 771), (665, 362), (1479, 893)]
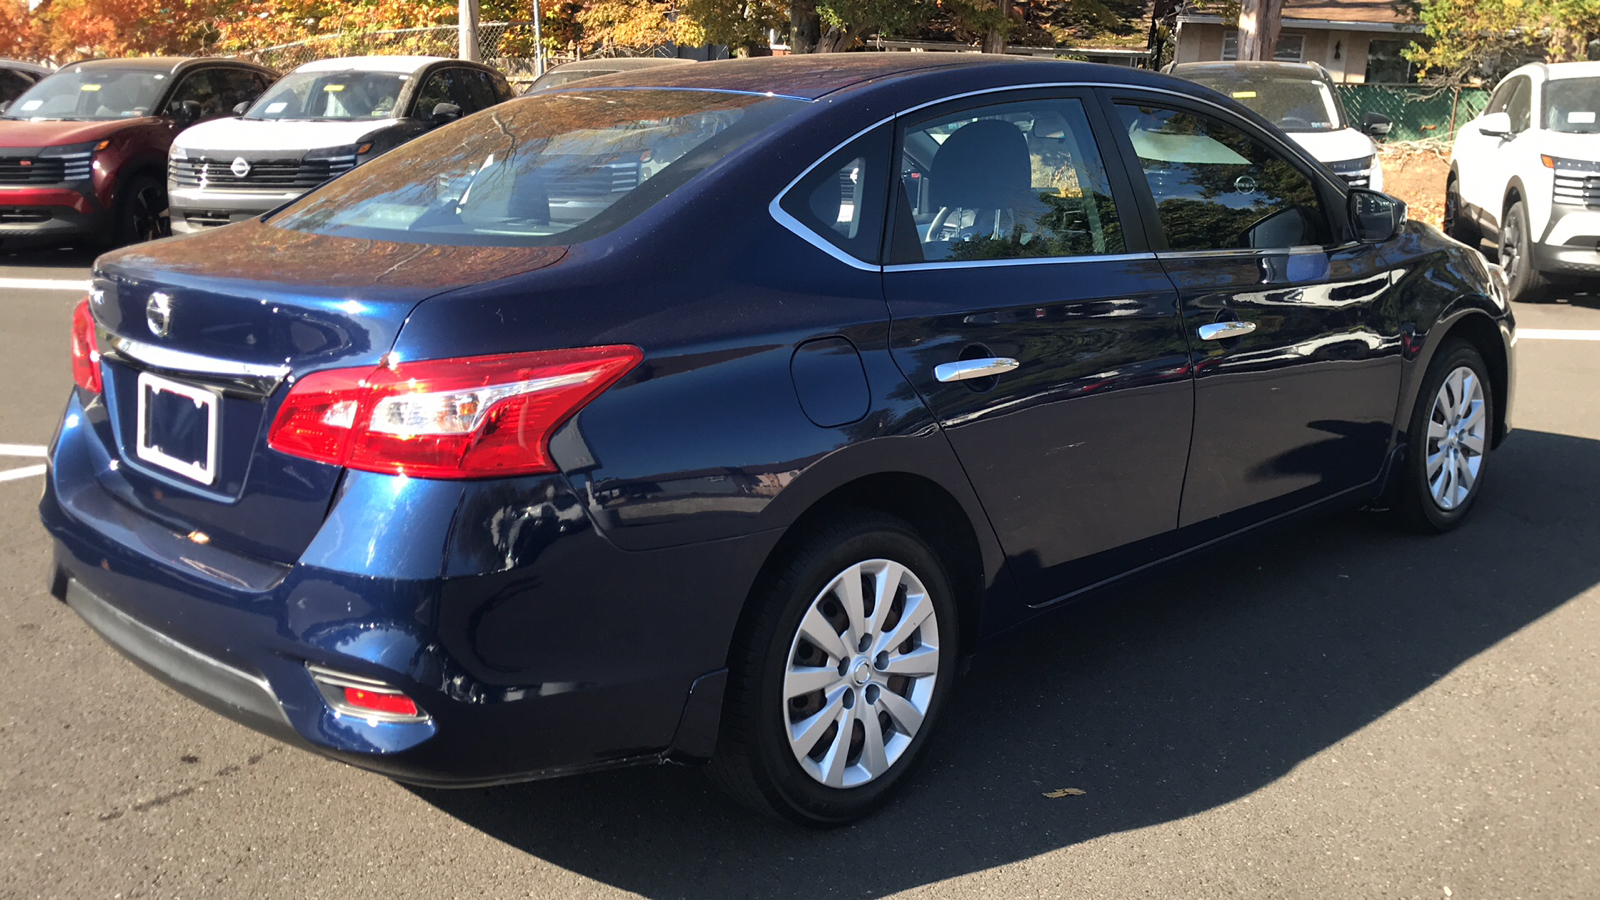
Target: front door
[(1027, 312), (1296, 339)]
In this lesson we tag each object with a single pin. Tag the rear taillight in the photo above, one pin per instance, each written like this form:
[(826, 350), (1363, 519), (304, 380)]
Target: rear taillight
[(474, 417), (85, 352)]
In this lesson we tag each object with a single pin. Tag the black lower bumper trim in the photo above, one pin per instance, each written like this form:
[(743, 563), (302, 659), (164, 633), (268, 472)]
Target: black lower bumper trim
[(245, 698)]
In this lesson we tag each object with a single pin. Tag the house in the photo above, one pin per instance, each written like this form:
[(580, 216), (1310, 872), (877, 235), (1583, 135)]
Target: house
[(1357, 41)]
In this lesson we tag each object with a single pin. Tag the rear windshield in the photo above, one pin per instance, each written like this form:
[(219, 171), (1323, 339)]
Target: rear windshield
[(1572, 105), (1293, 103), (543, 170)]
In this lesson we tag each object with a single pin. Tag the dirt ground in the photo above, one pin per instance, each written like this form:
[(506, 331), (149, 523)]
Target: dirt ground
[(1416, 175)]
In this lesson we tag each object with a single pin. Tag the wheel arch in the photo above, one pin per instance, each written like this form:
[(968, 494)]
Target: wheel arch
[(1483, 333)]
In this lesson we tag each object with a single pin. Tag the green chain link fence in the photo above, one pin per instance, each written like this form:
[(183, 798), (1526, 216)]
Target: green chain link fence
[(1419, 113)]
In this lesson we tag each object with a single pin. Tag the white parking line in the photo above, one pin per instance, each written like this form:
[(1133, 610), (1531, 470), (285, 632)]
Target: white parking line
[(24, 472), (1557, 334), (43, 284), (22, 450)]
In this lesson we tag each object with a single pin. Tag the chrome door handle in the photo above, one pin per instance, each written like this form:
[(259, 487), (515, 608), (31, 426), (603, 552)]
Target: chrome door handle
[(1221, 331), (974, 368)]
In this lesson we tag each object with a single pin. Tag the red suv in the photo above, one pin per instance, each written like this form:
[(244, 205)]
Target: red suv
[(83, 153)]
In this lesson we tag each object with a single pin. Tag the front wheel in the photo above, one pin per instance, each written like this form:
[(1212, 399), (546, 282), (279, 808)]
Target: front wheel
[(836, 680), (1523, 280), (1449, 438), (142, 213)]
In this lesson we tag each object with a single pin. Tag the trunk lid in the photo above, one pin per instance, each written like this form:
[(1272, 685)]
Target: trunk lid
[(239, 313)]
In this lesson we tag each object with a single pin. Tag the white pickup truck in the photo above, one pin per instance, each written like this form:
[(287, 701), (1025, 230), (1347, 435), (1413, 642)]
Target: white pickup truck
[(1526, 175)]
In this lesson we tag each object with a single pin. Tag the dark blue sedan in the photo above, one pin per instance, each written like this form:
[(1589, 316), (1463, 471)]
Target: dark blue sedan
[(717, 412)]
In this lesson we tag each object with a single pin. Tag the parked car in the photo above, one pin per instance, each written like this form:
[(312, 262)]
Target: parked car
[(418, 475), (318, 122), (594, 68), (1526, 175), (83, 153), (16, 77), (1302, 100)]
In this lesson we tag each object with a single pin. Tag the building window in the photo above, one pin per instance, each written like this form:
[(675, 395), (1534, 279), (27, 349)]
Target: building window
[(1291, 47), (1385, 65)]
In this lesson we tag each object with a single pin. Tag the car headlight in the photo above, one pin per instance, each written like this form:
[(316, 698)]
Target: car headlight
[(176, 152), (1573, 178), (77, 159)]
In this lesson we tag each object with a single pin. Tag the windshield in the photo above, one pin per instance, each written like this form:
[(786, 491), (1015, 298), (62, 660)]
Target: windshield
[(544, 170), (88, 94), (335, 96), (1571, 105), (1293, 103)]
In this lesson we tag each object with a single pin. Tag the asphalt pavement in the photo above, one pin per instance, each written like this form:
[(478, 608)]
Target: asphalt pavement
[(1338, 710)]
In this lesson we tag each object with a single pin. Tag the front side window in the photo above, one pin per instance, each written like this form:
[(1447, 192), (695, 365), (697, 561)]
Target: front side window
[(205, 87), (1572, 105), (1521, 106), (331, 96), (436, 90), (1013, 181), (548, 170), (83, 93), (1216, 188)]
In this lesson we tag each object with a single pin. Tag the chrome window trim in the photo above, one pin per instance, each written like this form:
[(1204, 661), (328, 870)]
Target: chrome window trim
[(799, 229), (182, 361), (1244, 252), (1020, 261)]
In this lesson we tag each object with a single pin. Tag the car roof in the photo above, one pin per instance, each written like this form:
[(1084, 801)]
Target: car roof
[(25, 66), (811, 76), (154, 63), (1555, 71), (619, 63), (372, 64)]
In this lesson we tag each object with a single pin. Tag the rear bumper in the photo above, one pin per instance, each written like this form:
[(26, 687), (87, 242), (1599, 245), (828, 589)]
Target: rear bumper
[(522, 673), (193, 209), (30, 214)]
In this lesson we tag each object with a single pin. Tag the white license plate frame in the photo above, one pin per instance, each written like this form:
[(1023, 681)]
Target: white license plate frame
[(204, 472)]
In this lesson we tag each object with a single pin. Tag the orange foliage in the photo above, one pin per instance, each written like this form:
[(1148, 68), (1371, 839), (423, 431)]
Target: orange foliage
[(18, 38)]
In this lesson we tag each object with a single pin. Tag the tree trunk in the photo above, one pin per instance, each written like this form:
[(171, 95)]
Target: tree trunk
[(995, 40), (837, 40), (805, 26), (1259, 22)]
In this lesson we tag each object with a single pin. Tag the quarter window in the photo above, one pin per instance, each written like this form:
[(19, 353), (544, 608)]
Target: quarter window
[(1013, 181), (841, 200), (1216, 188)]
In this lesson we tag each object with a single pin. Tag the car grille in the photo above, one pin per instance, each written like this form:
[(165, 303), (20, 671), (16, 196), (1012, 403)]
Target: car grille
[(1577, 188), (52, 170), (207, 218), (1355, 172), (23, 215), (264, 174)]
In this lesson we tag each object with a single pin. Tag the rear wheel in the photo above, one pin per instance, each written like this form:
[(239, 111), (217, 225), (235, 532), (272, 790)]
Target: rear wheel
[(1456, 223), (1523, 281), (1448, 443), (837, 679)]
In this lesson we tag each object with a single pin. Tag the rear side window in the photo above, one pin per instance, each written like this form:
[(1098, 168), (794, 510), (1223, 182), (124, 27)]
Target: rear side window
[(549, 169), (1217, 188), (841, 200), (1012, 181)]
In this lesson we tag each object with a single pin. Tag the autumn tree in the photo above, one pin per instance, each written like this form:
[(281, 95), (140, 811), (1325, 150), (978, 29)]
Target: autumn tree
[(18, 39), (610, 26), (1470, 39)]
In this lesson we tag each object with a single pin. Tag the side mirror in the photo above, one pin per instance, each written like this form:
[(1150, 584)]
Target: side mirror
[(186, 113), (1374, 217), (1376, 125), (1495, 125), (241, 108), (445, 113)]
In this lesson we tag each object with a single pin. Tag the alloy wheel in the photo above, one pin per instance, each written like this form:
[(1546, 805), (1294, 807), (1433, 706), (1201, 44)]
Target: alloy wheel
[(1457, 438), (147, 214), (861, 673), (1511, 247)]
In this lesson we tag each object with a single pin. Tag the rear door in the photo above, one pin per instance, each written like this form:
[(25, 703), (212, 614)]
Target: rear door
[(1296, 338), (1027, 312)]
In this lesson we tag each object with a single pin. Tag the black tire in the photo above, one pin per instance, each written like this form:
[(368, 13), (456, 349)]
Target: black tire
[(754, 761), (1456, 223), (142, 213), (1524, 282), (1418, 507)]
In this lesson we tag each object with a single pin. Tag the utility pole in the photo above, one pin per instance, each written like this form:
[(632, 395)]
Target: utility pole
[(467, 30), (538, 40), (1259, 22)]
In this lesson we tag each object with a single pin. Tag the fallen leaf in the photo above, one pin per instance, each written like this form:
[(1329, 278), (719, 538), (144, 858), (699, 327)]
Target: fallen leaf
[(1058, 793)]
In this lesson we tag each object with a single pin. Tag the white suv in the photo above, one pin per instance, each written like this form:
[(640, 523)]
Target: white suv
[(1526, 173)]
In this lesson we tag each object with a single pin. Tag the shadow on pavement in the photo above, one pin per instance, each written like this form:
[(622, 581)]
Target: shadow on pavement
[(49, 258), (1162, 701)]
